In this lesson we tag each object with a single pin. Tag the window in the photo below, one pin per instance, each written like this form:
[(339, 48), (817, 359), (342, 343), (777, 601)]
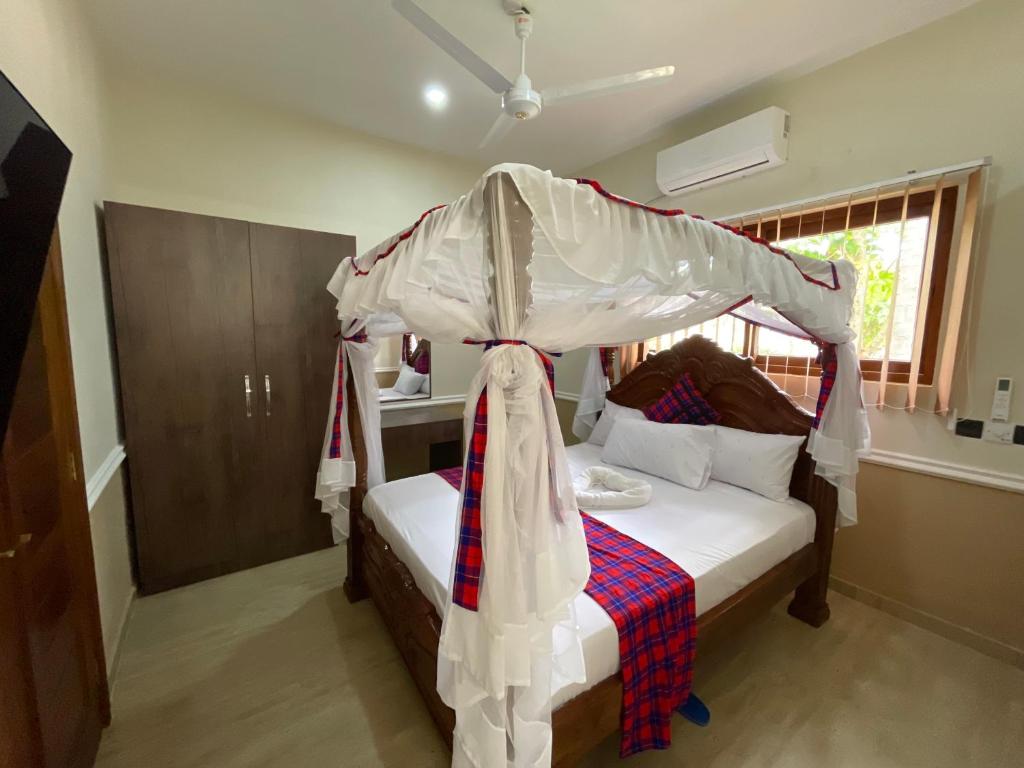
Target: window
[(888, 240), (900, 241)]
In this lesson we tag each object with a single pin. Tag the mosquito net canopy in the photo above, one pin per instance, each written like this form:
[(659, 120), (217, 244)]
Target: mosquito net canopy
[(527, 265)]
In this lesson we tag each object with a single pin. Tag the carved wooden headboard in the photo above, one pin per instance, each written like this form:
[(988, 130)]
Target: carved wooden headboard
[(742, 394)]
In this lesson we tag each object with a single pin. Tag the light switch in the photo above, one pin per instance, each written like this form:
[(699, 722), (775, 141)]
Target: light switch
[(997, 432)]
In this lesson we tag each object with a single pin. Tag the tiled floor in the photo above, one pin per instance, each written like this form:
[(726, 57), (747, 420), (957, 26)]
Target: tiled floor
[(272, 667)]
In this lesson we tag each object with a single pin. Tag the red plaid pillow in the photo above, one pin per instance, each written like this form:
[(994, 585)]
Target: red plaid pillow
[(422, 364), (683, 404)]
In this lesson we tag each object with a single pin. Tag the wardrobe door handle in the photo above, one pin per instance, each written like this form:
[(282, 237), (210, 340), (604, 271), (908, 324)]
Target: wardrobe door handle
[(23, 539), (248, 397), (266, 386)]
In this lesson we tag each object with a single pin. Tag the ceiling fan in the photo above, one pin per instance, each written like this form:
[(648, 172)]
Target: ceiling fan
[(518, 99)]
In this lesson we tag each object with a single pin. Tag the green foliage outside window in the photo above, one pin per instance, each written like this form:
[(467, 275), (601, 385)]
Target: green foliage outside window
[(876, 279)]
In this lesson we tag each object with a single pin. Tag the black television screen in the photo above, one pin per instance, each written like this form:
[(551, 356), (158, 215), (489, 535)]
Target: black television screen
[(33, 167)]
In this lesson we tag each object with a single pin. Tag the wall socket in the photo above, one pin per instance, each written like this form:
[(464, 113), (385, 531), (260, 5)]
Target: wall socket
[(992, 431), (970, 427), (998, 432)]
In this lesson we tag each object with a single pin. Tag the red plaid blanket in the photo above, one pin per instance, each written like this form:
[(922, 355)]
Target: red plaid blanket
[(651, 601)]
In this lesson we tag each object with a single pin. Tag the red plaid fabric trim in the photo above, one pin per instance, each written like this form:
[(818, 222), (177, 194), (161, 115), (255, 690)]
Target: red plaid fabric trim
[(469, 560), (422, 362), (391, 248), (339, 395), (406, 344), (652, 602), (607, 361), (683, 404), (339, 402), (596, 186), (452, 476), (829, 365)]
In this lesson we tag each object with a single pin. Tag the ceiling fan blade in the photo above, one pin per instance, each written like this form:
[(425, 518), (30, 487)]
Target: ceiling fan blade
[(606, 85), (451, 45), (501, 126)]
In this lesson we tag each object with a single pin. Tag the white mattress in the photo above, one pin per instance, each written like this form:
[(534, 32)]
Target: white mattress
[(723, 536)]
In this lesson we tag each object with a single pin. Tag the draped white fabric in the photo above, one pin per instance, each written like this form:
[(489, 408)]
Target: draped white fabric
[(551, 262), (592, 389), (336, 475), (497, 665)]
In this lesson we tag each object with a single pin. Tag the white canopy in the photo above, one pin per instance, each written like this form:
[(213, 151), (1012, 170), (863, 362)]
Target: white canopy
[(559, 264)]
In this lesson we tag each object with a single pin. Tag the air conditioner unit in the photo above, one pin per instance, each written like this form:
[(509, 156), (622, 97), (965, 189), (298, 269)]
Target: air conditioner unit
[(756, 143)]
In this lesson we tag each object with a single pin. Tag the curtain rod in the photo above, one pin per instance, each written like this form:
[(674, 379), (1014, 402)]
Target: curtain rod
[(913, 175)]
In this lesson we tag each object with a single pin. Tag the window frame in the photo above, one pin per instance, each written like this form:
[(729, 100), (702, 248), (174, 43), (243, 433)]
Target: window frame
[(863, 214)]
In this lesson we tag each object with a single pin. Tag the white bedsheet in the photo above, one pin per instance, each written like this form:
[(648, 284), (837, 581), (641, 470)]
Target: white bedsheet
[(390, 395), (723, 536)]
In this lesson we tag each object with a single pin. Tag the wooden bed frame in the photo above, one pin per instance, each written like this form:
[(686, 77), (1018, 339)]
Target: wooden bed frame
[(747, 399)]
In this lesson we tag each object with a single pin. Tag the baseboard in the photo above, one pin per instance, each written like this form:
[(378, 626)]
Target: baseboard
[(115, 657), (400, 405), (947, 629), (94, 485), (445, 399), (963, 473)]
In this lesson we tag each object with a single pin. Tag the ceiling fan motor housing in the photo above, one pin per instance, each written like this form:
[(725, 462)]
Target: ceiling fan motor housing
[(521, 101)]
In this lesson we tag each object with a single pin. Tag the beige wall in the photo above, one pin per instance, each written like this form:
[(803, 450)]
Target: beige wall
[(113, 566), (183, 147), (949, 92), (145, 141), (46, 51), (948, 549)]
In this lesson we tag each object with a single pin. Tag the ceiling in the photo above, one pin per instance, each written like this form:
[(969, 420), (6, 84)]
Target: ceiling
[(359, 64)]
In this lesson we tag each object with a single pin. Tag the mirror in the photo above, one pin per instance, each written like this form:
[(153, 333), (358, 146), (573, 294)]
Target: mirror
[(403, 369)]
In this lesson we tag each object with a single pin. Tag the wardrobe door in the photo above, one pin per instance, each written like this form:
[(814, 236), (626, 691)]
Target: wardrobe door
[(182, 296), (296, 322)]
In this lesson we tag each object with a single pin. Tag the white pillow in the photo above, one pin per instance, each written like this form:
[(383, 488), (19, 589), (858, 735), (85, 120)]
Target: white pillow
[(677, 452), (425, 386), (409, 382), (761, 463), (611, 413)]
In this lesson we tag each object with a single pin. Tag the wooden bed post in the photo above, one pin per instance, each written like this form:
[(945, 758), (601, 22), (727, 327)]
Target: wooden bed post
[(355, 585), (810, 604)]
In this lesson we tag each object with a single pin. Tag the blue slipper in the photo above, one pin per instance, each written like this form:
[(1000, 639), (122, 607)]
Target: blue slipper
[(695, 711)]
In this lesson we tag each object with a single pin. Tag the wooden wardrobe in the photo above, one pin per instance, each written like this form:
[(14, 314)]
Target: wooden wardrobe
[(226, 346)]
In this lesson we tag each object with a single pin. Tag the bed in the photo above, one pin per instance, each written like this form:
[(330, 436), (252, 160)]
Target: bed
[(744, 551)]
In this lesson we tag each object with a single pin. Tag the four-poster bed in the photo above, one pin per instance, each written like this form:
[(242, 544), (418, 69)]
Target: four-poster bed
[(527, 262), (748, 400)]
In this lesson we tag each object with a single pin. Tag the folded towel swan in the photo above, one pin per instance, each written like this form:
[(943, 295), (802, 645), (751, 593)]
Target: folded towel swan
[(604, 488)]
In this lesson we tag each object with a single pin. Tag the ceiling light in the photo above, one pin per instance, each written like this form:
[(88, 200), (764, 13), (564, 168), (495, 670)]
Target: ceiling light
[(435, 96)]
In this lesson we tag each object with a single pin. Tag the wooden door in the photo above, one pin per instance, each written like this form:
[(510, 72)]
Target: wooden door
[(20, 740), (296, 322), (53, 672), (182, 295)]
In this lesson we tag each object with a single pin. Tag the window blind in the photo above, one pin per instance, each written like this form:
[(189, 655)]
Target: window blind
[(912, 240)]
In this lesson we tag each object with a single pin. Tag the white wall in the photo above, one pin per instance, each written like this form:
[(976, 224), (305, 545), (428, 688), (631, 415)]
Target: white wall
[(183, 147), (948, 92), (46, 50)]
